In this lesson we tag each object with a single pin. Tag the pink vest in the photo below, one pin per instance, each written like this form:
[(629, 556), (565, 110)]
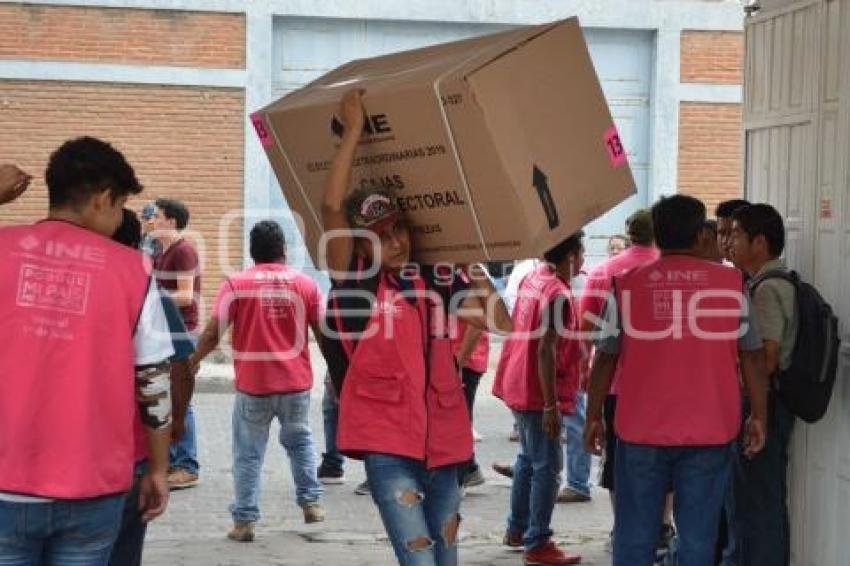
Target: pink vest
[(517, 381), (679, 387), (270, 306), (390, 402), (477, 360), (69, 301), (598, 285)]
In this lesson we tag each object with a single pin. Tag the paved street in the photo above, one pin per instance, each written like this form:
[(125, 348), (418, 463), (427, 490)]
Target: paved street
[(193, 530)]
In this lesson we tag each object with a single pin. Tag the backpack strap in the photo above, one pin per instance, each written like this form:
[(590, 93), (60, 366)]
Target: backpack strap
[(790, 276)]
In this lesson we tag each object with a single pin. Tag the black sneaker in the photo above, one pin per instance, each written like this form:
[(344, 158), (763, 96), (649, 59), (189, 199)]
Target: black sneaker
[(330, 475), (363, 488)]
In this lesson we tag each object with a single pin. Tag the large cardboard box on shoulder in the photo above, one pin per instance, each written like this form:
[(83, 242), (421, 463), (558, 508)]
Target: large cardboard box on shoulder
[(498, 147)]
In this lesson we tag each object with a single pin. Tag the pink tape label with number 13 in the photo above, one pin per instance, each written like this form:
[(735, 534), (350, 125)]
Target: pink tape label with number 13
[(614, 146), (262, 130)]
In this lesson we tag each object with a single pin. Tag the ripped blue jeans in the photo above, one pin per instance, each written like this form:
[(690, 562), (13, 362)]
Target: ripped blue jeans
[(419, 508)]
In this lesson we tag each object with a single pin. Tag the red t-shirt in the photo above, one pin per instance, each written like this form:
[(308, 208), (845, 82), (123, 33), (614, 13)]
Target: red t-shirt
[(179, 260), (270, 306)]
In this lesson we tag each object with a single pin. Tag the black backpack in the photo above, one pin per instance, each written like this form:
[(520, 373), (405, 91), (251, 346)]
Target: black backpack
[(806, 386)]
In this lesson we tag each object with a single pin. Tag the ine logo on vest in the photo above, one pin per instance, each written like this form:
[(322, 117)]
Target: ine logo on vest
[(679, 276), (62, 250)]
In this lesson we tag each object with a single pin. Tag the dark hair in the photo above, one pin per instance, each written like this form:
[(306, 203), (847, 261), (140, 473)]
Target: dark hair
[(268, 244), (85, 166), (129, 232), (726, 208), (763, 220), (174, 209), (570, 246), (710, 224), (677, 222)]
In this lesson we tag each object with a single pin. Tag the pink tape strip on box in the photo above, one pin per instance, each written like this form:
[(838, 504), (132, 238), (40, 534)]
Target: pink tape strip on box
[(614, 146), (262, 131)]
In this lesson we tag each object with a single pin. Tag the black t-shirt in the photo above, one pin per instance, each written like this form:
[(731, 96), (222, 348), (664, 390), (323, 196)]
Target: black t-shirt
[(446, 283)]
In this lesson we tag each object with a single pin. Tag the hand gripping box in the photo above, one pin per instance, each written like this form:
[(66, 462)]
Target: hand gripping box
[(497, 147)]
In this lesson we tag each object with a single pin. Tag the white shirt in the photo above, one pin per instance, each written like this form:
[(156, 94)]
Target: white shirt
[(521, 269)]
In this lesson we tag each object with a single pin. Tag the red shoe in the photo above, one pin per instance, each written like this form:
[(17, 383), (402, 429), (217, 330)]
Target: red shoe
[(549, 555)]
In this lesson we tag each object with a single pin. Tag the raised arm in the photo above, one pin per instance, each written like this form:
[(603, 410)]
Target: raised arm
[(13, 183), (341, 246)]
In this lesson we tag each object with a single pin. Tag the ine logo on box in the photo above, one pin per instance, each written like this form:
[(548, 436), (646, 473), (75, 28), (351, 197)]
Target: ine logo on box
[(374, 125)]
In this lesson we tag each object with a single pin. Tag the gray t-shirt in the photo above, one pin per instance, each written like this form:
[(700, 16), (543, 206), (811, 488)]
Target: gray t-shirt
[(775, 304)]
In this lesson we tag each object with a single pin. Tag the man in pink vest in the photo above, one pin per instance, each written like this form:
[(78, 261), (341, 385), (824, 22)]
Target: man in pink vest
[(538, 379), (79, 312), (641, 251), (270, 306), (677, 329)]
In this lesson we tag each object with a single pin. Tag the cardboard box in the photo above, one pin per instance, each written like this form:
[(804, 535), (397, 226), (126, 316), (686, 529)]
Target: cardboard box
[(499, 147)]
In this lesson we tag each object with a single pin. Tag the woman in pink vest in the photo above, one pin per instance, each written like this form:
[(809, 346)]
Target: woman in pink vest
[(675, 331), (538, 379), (402, 406)]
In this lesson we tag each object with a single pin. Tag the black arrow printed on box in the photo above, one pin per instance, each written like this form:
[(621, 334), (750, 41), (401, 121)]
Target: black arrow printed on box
[(541, 183)]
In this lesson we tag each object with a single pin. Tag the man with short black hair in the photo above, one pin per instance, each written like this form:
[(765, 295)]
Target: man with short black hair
[(763, 532), (596, 290), (538, 379), (270, 306), (79, 312), (675, 330), (178, 272), (723, 214)]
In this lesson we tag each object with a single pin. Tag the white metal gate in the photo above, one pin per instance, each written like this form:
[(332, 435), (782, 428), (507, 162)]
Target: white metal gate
[(797, 125)]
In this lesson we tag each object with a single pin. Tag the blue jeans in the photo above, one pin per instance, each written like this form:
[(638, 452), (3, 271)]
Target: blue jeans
[(252, 416), (130, 541), (698, 477), (761, 485), (330, 418), (420, 508), (578, 461), (730, 553), (61, 533), (183, 454), (537, 475)]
